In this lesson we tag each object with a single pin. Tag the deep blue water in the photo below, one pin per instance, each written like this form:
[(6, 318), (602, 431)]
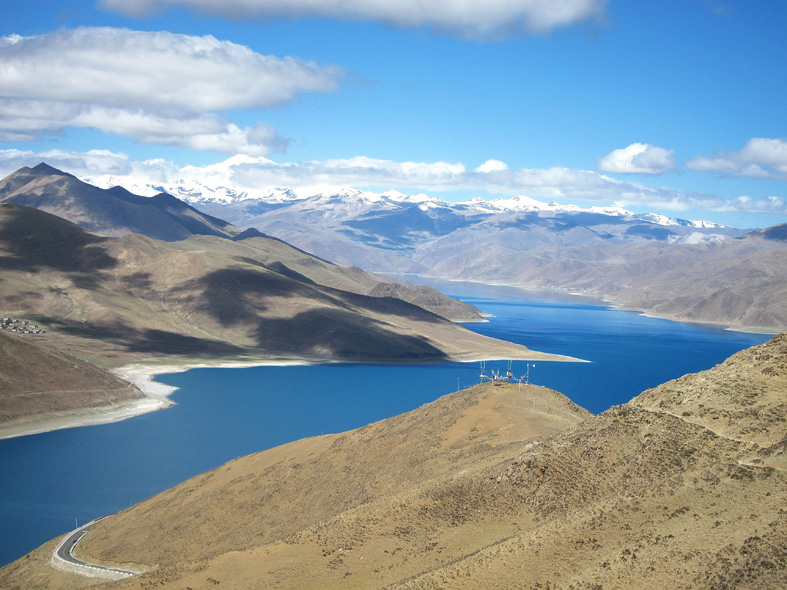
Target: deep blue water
[(54, 479)]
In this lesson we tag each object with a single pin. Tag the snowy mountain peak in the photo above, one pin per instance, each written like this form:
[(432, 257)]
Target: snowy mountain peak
[(214, 185), (664, 220), (613, 211)]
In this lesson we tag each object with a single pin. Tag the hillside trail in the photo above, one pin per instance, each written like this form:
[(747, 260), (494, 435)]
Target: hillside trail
[(749, 463)]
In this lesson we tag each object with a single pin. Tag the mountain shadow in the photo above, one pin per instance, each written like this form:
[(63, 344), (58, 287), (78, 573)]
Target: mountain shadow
[(143, 340), (234, 296), (337, 333), (66, 246)]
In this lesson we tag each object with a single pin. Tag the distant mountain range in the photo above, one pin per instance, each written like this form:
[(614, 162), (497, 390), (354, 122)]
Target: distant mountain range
[(394, 232), (683, 269)]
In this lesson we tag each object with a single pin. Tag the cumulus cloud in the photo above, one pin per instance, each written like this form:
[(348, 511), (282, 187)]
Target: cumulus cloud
[(638, 158), (76, 163), (462, 18), (359, 171), (91, 164), (157, 87), (492, 166), (760, 158)]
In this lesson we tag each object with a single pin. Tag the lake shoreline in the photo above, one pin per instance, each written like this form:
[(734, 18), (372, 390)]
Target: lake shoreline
[(141, 375), (156, 395), (602, 299)]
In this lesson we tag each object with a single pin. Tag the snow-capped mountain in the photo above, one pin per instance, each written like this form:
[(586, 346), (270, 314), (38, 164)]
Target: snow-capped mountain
[(393, 231), (212, 185)]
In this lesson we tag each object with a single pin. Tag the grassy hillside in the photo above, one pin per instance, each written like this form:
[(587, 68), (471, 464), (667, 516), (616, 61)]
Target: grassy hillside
[(491, 487)]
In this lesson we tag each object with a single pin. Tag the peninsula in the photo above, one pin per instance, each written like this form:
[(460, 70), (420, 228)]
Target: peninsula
[(137, 307)]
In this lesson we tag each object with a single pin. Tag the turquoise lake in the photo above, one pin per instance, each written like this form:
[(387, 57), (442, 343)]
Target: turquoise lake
[(52, 481)]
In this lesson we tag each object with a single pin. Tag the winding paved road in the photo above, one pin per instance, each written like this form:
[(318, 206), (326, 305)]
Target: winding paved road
[(63, 557)]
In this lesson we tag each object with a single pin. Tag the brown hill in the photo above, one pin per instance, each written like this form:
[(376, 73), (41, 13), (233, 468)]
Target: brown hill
[(682, 487), (738, 282), (117, 212), (296, 263), (429, 298), (36, 382), (109, 212), (207, 296)]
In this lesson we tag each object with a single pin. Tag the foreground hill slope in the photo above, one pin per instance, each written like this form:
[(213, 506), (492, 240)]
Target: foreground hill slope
[(206, 296), (271, 496), (682, 487)]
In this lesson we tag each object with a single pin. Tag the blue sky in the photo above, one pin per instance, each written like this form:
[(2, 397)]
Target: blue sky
[(674, 106)]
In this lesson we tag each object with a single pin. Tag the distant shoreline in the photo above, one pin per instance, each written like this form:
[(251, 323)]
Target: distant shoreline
[(598, 299)]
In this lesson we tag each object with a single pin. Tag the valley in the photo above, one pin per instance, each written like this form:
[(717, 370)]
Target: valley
[(402, 295), (210, 293)]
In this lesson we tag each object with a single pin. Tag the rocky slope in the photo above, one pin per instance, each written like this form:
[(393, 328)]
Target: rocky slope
[(491, 487)]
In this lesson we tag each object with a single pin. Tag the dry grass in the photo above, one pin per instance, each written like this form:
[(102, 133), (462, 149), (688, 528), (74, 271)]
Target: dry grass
[(464, 493), (37, 380)]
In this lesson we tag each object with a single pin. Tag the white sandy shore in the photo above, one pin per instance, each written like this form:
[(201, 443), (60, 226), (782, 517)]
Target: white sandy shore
[(141, 375)]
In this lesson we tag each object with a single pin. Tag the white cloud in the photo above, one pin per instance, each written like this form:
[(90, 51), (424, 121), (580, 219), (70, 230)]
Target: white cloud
[(76, 163), (638, 158), (760, 158), (492, 166), (157, 87), (353, 171), (551, 183), (463, 18), (257, 174)]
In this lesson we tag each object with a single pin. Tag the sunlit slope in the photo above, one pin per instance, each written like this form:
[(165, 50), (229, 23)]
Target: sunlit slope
[(739, 282), (109, 212), (208, 296), (491, 487), (272, 495), (287, 494)]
